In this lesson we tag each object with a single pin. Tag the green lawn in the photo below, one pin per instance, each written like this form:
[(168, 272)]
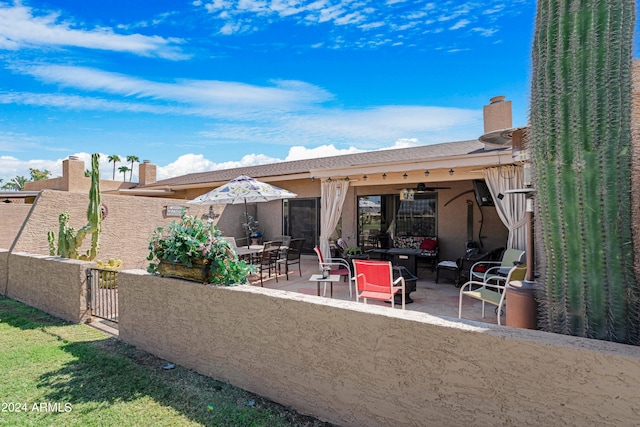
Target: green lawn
[(54, 373)]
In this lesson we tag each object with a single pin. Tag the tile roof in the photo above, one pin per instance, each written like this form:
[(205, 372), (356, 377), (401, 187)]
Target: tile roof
[(378, 157)]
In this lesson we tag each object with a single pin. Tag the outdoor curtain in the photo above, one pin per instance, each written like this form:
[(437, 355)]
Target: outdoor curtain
[(333, 194), (511, 208)]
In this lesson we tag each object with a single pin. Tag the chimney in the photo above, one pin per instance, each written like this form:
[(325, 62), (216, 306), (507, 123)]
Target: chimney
[(73, 178), (146, 173), (497, 115)]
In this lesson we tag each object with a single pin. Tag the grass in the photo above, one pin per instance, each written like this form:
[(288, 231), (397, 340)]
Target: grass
[(63, 374)]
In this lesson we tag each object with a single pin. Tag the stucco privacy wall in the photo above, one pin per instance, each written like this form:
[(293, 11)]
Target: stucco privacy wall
[(357, 365), (12, 216), (54, 285), (125, 230)]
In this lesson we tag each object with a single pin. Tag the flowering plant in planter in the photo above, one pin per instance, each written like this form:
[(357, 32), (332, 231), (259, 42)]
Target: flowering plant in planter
[(195, 241)]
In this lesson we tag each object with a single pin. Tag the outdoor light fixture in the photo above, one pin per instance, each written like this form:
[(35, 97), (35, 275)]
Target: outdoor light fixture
[(451, 171), (426, 173), (329, 179), (405, 175), (364, 178), (313, 178), (347, 179), (384, 176)]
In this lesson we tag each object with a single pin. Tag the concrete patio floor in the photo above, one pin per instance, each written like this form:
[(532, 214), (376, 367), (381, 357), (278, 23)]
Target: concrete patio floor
[(439, 299)]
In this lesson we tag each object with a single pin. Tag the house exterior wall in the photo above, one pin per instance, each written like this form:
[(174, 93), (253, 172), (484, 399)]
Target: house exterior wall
[(387, 367)]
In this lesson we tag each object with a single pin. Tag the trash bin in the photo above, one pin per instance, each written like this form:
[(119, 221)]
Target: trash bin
[(522, 307)]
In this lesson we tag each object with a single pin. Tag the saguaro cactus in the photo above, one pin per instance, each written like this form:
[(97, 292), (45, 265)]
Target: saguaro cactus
[(69, 241), (580, 144)]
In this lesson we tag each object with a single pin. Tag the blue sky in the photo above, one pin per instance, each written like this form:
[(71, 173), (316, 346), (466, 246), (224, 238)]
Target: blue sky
[(212, 84)]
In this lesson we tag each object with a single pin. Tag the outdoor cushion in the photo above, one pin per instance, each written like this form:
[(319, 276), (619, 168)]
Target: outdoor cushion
[(411, 242), (480, 268), (429, 244)]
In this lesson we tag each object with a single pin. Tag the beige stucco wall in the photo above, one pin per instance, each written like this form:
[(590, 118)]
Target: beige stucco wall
[(12, 216), (357, 365), (125, 231), (54, 285)]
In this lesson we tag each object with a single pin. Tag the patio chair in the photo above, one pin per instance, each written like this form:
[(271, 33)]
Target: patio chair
[(496, 270), (473, 260), (336, 266), (492, 293), (342, 249), (374, 280), (268, 260), (291, 256)]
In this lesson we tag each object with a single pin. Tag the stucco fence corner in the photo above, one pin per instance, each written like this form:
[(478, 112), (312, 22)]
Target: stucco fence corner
[(356, 365), (51, 284)]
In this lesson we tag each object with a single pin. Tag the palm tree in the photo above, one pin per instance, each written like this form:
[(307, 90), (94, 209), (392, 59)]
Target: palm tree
[(132, 159), (124, 170), (15, 184), (115, 159)]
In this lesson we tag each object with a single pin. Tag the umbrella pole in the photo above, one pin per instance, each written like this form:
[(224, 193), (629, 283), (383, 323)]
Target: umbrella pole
[(246, 218)]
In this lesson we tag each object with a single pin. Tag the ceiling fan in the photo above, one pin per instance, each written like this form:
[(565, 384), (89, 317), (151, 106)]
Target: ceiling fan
[(422, 188)]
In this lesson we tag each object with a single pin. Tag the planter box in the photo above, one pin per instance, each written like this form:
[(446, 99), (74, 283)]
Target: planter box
[(198, 272)]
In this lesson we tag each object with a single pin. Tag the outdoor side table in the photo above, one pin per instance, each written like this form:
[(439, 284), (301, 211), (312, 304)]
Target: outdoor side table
[(319, 279)]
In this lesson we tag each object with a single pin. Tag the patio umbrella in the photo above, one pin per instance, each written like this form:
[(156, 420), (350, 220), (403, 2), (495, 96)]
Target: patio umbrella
[(242, 189)]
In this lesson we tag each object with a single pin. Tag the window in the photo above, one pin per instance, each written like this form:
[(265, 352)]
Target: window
[(417, 217)]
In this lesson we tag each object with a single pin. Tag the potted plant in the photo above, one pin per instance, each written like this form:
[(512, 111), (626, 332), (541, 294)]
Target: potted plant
[(194, 249), (252, 229)]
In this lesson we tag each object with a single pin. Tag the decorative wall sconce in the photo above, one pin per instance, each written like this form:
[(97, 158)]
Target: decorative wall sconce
[(384, 176), (451, 171), (405, 175), (426, 173), (364, 178)]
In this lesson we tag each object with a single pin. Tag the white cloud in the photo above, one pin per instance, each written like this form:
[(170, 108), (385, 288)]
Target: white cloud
[(485, 32), (203, 97), (398, 16), (460, 24), (20, 28)]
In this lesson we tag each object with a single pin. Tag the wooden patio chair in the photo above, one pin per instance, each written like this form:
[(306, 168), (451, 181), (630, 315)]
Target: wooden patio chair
[(291, 256), (268, 260)]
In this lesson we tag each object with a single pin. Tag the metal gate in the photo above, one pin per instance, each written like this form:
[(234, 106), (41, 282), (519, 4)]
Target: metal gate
[(102, 293)]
